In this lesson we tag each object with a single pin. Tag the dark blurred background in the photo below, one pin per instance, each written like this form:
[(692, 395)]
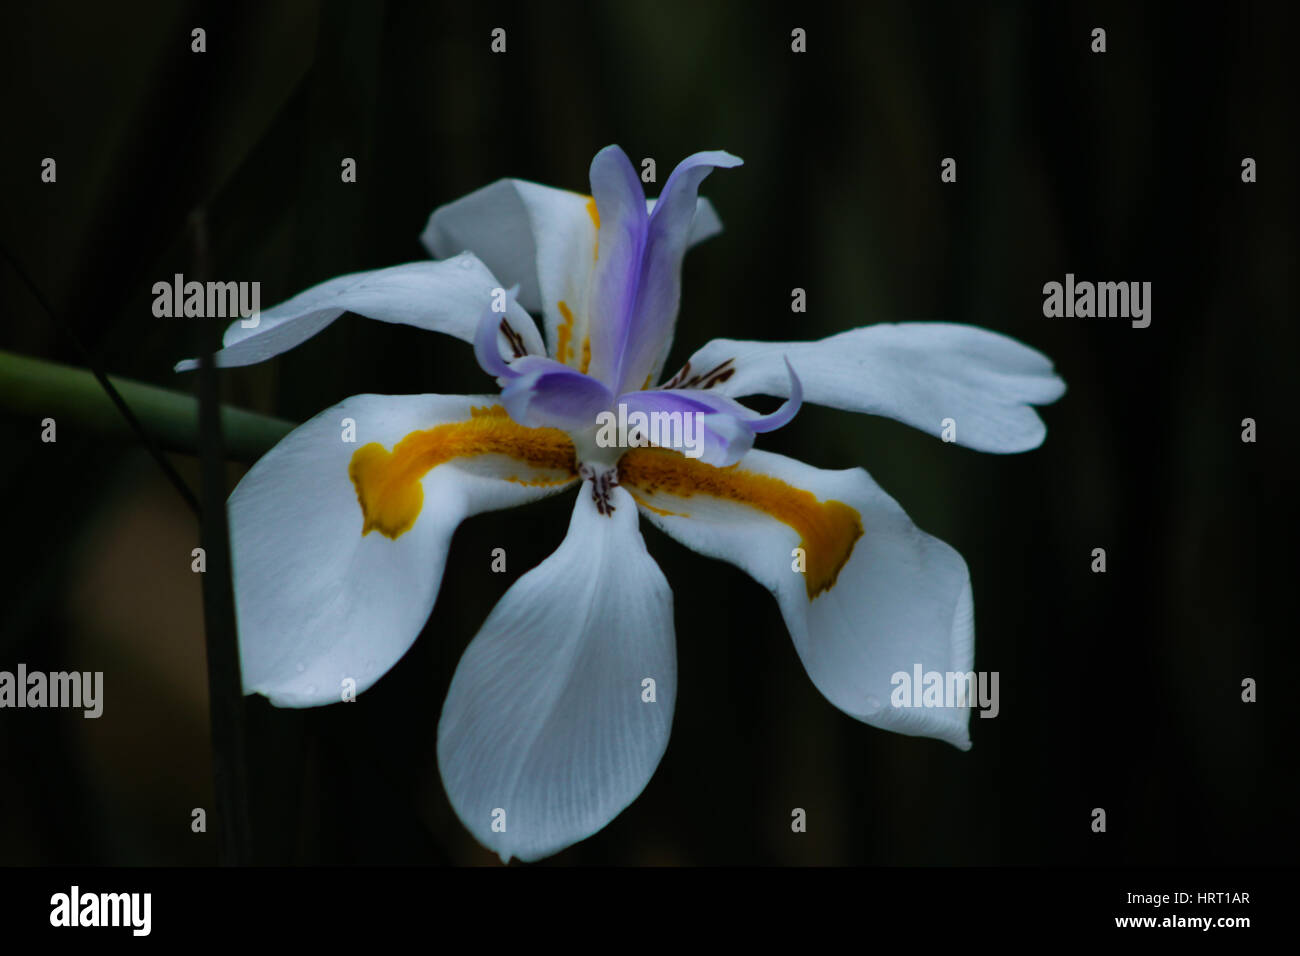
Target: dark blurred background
[(1119, 690)]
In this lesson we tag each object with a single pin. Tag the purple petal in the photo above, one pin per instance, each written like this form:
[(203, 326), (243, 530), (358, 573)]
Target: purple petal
[(621, 240), (660, 285), (782, 416), (487, 342), (728, 427), (547, 393), (686, 400), (720, 435), (726, 440)]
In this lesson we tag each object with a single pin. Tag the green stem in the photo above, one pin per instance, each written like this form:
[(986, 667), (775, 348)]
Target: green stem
[(36, 387)]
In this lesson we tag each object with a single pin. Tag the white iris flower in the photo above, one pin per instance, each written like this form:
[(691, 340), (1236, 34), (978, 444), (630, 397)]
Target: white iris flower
[(548, 730)]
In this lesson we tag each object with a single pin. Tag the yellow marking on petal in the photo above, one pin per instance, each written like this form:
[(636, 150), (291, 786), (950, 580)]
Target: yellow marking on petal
[(586, 354), (828, 530), (659, 511), (646, 384), (563, 333), (538, 482), (594, 213), (388, 483)]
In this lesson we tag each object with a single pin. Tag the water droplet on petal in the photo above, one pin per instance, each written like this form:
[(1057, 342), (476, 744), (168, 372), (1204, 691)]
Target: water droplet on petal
[(465, 262), (873, 705), (311, 688), (301, 667)]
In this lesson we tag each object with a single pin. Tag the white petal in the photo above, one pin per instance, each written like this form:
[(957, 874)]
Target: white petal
[(447, 296), (319, 602), (493, 223), (902, 599), (545, 719), (919, 373), (539, 237)]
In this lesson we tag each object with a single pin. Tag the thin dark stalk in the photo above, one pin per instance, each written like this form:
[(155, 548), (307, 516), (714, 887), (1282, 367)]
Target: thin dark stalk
[(145, 438), (225, 685)]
